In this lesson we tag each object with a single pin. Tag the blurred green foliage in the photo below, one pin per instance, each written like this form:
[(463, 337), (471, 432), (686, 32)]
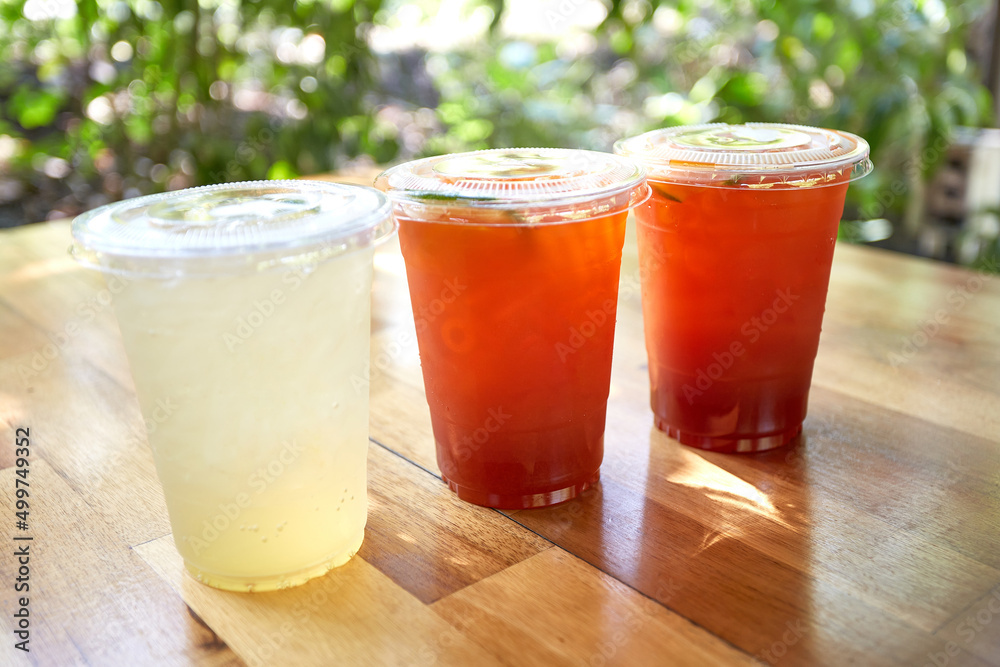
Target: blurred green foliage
[(122, 98), (109, 98), (894, 72)]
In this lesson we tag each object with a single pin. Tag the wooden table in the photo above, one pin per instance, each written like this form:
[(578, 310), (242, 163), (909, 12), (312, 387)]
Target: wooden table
[(874, 540)]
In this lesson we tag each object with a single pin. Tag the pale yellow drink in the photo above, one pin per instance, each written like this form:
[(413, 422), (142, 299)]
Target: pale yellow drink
[(248, 382), (261, 475)]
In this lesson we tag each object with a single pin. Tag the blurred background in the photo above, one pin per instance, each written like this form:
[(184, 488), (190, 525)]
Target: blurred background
[(106, 99)]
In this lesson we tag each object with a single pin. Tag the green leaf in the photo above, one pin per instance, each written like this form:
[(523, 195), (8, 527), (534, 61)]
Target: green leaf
[(35, 108), (442, 198), (823, 27), (747, 89), (661, 190), (280, 170)]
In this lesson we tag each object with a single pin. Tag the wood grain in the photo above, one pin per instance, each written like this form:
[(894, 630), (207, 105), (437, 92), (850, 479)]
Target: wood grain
[(559, 611), (445, 545), (90, 432), (89, 594), (874, 539), (354, 615)]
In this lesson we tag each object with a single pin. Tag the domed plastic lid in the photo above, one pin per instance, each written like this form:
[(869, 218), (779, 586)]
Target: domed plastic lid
[(760, 155), (544, 184), (221, 228)]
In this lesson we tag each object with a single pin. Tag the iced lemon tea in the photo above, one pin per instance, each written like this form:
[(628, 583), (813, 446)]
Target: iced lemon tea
[(735, 249), (516, 253)]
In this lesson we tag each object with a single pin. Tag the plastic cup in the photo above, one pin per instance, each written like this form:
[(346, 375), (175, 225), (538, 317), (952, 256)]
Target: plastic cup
[(735, 249), (512, 258), (245, 314)]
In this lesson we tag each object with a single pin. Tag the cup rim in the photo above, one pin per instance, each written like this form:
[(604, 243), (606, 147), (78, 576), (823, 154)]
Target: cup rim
[(840, 157), (602, 184), (102, 239)]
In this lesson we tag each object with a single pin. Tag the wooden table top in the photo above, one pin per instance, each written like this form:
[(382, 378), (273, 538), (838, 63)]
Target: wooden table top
[(875, 540)]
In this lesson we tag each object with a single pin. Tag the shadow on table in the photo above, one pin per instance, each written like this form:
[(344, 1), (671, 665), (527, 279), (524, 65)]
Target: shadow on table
[(722, 540)]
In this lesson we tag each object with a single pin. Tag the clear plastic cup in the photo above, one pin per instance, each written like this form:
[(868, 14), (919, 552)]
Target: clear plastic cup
[(735, 250), (512, 258), (245, 314)]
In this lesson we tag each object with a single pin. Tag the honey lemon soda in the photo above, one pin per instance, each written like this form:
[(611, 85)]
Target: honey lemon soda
[(735, 246), (526, 244), (247, 313)]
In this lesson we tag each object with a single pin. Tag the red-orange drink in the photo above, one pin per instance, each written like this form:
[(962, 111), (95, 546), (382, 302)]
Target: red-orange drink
[(512, 259), (735, 250)]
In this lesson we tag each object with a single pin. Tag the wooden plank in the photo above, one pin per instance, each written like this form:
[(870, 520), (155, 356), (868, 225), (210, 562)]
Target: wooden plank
[(976, 630), (956, 405), (399, 418), (554, 609), (72, 308), (920, 324), (18, 335), (426, 540), (91, 600), (832, 486), (89, 429), (355, 615), (710, 575), (34, 241)]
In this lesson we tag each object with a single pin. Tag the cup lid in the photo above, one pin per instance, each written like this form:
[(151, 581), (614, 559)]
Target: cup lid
[(565, 183), (243, 223), (751, 155)]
